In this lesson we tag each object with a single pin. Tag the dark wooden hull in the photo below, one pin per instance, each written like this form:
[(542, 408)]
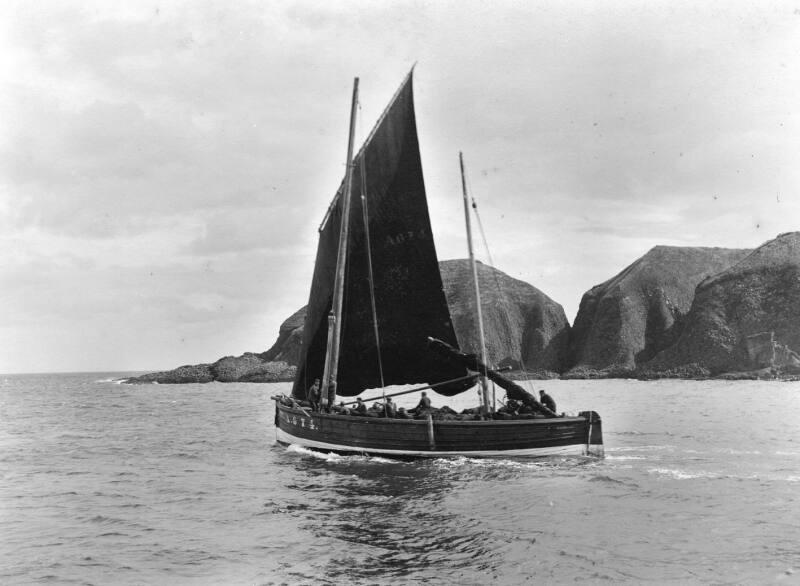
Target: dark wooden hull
[(435, 439)]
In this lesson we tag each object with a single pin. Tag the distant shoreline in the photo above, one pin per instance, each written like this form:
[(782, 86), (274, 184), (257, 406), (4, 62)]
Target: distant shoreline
[(760, 375)]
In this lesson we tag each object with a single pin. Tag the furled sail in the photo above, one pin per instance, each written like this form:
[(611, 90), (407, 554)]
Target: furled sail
[(408, 290)]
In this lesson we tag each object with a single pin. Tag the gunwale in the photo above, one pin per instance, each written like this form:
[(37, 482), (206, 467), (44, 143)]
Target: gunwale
[(440, 438)]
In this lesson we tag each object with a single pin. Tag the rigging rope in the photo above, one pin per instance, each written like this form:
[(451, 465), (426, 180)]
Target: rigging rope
[(500, 292)]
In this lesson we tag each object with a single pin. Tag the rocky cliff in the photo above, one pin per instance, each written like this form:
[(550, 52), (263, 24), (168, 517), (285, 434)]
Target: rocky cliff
[(290, 338), (627, 320), (524, 328), (744, 318)]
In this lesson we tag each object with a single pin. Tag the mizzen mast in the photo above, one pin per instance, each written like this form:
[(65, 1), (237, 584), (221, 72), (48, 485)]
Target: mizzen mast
[(484, 384), (335, 316)]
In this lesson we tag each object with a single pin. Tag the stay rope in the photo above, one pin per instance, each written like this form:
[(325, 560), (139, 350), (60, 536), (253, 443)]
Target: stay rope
[(365, 216), (500, 291)]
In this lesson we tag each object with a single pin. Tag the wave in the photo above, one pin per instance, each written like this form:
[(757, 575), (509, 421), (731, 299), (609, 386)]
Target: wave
[(105, 520), (545, 463), (604, 478), (636, 433), (682, 474), (333, 457), (729, 451), (640, 448)]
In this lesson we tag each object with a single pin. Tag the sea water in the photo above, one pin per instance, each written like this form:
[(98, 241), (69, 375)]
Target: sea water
[(102, 483)]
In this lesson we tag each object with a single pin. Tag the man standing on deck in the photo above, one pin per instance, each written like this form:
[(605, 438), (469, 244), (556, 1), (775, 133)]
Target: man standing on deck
[(390, 408), (331, 393), (547, 400), (313, 395)]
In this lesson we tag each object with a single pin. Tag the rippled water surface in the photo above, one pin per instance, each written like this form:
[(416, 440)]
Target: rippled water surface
[(110, 484)]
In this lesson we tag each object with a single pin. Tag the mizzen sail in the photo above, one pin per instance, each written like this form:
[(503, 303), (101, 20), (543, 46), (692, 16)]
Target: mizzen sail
[(409, 296)]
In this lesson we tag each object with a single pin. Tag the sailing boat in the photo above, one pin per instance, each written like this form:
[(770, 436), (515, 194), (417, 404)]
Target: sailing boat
[(377, 316)]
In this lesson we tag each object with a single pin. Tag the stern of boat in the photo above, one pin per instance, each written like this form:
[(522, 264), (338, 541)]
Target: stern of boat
[(594, 434)]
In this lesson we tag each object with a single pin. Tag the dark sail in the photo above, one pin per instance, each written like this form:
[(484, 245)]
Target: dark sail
[(408, 289)]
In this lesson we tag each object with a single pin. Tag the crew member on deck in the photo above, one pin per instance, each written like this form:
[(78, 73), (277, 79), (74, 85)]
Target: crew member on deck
[(511, 408), (360, 408), (390, 407), (313, 395), (423, 407), (331, 392), (547, 400)]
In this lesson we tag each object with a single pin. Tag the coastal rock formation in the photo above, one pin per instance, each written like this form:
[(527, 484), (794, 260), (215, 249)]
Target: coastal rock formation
[(248, 367), (197, 373), (744, 318), (676, 312), (524, 329), (278, 364), (631, 317), (251, 368), (290, 340)]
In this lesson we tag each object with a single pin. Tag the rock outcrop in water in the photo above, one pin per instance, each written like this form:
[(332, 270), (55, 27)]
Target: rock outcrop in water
[(743, 319), (277, 364), (525, 329), (627, 320), (248, 367)]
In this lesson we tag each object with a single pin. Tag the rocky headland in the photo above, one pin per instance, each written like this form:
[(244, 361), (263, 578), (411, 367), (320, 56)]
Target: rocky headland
[(676, 312), (524, 329), (278, 364), (627, 320), (744, 322)]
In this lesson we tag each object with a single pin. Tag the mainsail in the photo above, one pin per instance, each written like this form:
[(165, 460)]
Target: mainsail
[(409, 296)]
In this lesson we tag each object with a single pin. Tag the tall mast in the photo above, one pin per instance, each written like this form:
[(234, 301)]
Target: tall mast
[(335, 316), (484, 384)]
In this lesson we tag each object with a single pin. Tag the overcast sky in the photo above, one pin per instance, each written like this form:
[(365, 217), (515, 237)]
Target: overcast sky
[(165, 164)]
